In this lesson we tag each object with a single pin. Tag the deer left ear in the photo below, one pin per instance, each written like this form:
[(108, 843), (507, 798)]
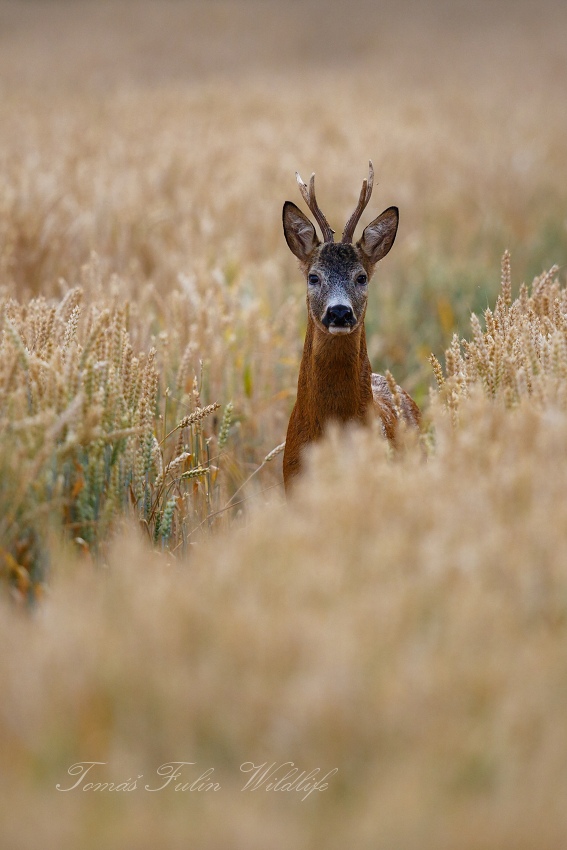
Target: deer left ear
[(379, 235), (299, 232)]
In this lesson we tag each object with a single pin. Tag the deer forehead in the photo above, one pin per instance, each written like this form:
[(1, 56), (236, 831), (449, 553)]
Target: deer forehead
[(336, 260)]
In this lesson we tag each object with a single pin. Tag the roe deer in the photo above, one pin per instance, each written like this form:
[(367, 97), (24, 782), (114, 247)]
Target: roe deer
[(335, 377)]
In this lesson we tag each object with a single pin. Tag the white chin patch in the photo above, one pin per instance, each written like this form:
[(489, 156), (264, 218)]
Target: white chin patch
[(334, 330)]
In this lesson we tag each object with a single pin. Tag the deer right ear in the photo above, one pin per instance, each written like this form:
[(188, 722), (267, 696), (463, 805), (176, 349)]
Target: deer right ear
[(299, 233), (379, 235)]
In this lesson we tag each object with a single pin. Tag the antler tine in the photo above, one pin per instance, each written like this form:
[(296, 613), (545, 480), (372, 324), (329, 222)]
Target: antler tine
[(311, 201), (365, 193)]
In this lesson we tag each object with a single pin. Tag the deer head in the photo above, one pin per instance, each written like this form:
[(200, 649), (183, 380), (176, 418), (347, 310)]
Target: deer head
[(338, 273)]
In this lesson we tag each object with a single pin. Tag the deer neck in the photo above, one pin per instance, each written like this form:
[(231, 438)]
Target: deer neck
[(334, 378)]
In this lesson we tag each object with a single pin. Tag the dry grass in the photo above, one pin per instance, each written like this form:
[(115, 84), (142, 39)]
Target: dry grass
[(400, 620)]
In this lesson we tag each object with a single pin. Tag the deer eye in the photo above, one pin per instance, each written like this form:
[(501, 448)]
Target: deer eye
[(361, 279), (314, 279)]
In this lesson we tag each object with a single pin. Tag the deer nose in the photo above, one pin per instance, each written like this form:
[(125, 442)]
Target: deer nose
[(339, 316)]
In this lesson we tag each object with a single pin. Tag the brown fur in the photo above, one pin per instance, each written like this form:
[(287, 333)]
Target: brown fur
[(336, 384)]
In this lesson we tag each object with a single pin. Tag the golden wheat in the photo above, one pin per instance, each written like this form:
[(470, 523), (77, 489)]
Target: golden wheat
[(403, 622), (80, 419), (521, 353)]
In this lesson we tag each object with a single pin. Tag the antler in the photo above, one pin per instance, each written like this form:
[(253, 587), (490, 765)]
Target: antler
[(311, 201), (365, 194)]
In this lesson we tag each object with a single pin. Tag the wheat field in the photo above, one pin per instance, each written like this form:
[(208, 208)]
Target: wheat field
[(397, 628)]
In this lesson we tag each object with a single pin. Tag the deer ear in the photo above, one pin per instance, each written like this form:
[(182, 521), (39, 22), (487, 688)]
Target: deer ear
[(299, 233), (379, 235)]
